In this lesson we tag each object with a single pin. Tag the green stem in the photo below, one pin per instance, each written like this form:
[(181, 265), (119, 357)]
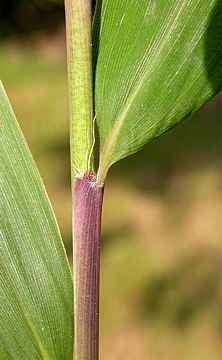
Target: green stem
[(79, 47), (87, 197)]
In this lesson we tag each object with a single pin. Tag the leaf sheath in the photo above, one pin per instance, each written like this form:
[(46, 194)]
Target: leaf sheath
[(87, 223)]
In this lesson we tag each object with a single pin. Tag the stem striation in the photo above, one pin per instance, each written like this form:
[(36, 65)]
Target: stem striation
[(87, 210)]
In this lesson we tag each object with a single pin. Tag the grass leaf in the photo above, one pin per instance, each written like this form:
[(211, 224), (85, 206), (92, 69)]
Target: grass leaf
[(36, 319), (155, 63)]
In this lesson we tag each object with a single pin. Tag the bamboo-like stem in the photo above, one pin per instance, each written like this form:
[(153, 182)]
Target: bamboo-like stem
[(87, 196), (87, 223), (79, 51)]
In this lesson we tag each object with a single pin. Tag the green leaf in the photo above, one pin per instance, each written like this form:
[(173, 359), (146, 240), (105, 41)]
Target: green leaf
[(36, 290), (157, 62)]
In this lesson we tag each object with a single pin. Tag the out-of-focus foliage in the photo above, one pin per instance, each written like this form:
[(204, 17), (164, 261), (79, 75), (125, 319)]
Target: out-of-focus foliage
[(23, 17)]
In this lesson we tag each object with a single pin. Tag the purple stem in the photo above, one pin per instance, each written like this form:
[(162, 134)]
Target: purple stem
[(87, 211)]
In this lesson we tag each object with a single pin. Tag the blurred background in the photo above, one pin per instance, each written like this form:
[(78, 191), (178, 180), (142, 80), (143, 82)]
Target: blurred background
[(161, 266)]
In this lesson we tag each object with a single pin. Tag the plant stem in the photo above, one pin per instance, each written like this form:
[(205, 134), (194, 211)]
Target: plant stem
[(87, 223), (79, 50), (87, 196)]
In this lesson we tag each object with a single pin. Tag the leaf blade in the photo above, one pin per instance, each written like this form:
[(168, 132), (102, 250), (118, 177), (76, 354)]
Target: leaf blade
[(36, 285), (152, 69)]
